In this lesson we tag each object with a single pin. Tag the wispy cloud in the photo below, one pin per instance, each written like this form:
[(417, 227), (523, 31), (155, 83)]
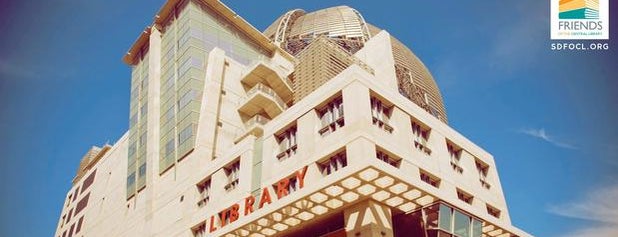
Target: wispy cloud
[(541, 134), (599, 206)]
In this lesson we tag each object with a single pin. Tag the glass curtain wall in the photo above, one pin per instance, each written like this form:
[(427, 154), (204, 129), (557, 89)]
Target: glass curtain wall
[(138, 120), (192, 31)]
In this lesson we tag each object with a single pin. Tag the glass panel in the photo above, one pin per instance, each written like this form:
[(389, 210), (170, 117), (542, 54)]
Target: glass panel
[(445, 218), (477, 228), (462, 224)]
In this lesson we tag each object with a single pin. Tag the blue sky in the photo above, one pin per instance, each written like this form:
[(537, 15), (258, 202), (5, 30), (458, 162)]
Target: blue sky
[(547, 117)]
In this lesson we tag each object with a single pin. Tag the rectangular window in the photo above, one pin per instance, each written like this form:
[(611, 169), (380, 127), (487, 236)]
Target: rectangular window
[(186, 98), (88, 181), (142, 170), (454, 152), (169, 114), (203, 189), (483, 169), (380, 114), (133, 120), (287, 143), (169, 147), (389, 159), (430, 179), (82, 204), (464, 196), (132, 148), (462, 224), (142, 140), (199, 230), (421, 133), (79, 225), (446, 218), (185, 134), (477, 228), (233, 175), (71, 230), (495, 212), (333, 163), (75, 194), (144, 110), (331, 116), (131, 179), (69, 216)]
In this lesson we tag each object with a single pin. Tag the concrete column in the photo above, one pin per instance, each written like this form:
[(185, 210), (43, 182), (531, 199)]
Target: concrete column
[(356, 105), (368, 219)]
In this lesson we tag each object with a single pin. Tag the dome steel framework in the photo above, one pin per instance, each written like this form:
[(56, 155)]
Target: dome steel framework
[(345, 26)]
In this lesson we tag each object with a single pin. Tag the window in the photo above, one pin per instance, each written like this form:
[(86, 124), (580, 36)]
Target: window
[(88, 181), (287, 143), (169, 115), (421, 136), (186, 98), (132, 120), (169, 147), (454, 153), (69, 216), (199, 230), (333, 163), (79, 225), (71, 230), (203, 188), (483, 170), (495, 212), (75, 194), (144, 110), (232, 171), (185, 134), (132, 148), (430, 179), (464, 196), (331, 116), (131, 183), (380, 114), (142, 170), (142, 140), (82, 204), (462, 224), (446, 221), (391, 160)]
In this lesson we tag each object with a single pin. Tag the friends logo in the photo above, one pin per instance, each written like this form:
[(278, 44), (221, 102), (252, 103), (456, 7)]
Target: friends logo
[(580, 19)]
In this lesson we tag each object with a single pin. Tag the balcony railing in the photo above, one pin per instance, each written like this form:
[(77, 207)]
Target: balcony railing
[(253, 126), (262, 72), (259, 87), (256, 120), (262, 97)]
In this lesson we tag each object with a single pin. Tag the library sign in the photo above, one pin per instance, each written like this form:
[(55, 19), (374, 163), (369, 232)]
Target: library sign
[(234, 212)]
